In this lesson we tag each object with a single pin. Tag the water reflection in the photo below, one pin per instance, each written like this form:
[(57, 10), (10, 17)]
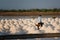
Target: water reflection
[(37, 39)]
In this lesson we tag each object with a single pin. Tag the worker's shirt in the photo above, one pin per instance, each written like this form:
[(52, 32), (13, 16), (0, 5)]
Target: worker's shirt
[(39, 19)]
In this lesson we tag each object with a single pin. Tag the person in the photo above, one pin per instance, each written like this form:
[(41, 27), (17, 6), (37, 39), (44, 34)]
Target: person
[(40, 23)]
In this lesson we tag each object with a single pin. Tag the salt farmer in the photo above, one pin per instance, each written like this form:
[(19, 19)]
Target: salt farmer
[(40, 23)]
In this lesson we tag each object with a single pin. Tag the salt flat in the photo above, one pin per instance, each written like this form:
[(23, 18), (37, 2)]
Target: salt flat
[(26, 25)]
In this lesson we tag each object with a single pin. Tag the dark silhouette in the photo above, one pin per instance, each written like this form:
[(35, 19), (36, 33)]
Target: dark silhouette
[(53, 17), (39, 25)]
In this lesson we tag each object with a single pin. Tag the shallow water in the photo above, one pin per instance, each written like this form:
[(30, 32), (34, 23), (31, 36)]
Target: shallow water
[(37, 39)]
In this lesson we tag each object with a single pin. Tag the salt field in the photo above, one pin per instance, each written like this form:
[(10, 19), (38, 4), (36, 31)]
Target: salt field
[(26, 25)]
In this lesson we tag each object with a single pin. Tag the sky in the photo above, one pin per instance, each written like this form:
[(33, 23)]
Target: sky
[(29, 4)]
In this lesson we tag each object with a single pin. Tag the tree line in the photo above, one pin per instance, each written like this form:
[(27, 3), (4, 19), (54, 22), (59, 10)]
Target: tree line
[(31, 10)]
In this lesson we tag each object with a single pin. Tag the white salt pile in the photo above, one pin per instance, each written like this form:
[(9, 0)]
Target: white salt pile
[(26, 25)]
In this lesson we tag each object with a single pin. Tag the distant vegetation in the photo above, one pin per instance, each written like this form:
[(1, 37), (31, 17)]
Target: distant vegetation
[(31, 10)]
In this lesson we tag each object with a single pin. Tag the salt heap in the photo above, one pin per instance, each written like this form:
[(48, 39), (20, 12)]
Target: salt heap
[(26, 25)]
